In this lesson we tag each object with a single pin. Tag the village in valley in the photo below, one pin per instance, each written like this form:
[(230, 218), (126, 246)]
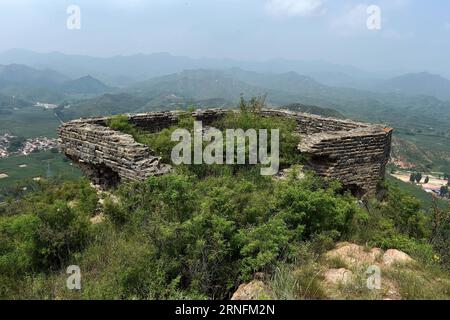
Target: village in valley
[(14, 146), (25, 147), (46, 105)]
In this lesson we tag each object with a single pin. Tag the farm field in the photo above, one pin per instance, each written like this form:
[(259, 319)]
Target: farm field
[(30, 122), (40, 164)]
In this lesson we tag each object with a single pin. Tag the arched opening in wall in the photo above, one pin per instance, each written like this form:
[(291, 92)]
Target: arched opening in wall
[(356, 190), (107, 178), (100, 175)]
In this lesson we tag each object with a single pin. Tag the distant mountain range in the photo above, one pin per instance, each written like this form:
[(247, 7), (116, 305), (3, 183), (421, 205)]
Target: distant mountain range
[(124, 70), (196, 84), (45, 85), (418, 83), (412, 113), (399, 101), (402, 101)]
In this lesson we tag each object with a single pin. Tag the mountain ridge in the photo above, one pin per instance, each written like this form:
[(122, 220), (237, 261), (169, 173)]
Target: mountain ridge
[(139, 67), (419, 83)]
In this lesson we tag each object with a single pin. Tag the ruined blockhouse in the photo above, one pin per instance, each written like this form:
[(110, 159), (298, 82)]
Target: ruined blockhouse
[(353, 152)]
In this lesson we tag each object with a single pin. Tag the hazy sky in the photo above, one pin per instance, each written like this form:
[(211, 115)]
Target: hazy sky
[(414, 34)]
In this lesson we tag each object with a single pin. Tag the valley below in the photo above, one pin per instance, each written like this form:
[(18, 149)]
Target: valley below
[(421, 132), (202, 232)]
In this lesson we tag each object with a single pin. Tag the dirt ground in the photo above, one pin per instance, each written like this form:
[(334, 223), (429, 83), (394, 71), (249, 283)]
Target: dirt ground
[(434, 183)]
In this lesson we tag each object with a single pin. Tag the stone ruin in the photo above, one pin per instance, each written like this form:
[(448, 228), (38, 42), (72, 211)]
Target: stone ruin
[(353, 152)]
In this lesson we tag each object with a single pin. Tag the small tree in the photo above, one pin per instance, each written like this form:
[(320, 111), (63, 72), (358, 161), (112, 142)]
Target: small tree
[(243, 104), (418, 177), (440, 233), (254, 105), (412, 177)]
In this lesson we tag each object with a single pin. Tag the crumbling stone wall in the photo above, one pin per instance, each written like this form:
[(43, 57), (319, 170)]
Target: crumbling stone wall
[(107, 156), (353, 152)]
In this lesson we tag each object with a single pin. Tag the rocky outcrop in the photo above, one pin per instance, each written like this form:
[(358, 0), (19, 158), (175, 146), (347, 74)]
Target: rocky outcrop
[(353, 152), (357, 260), (345, 272), (394, 257), (254, 290), (354, 255), (338, 276)]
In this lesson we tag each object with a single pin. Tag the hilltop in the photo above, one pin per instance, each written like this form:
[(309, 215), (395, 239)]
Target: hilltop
[(201, 232)]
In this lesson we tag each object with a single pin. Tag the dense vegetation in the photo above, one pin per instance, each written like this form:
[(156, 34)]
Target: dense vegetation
[(247, 118), (180, 236), (198, 233)]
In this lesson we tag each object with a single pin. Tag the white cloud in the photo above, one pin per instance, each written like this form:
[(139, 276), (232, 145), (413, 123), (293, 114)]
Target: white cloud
[(295, 7)]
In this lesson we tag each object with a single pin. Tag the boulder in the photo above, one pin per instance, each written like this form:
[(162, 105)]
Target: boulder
[(338, 276), (253, 290), (395, 257), (354, 255)]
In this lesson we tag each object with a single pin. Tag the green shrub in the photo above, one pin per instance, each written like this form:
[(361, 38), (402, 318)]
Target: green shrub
[(418, 249), (120, 123), (211, 232), (289, 139), (309, 211), (396, 222), (62, 232), (262, 246), (46, 228), (162, 144), (17, 243)]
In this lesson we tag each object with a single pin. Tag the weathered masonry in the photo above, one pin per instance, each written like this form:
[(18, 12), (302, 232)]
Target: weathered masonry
[(354, 153)]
